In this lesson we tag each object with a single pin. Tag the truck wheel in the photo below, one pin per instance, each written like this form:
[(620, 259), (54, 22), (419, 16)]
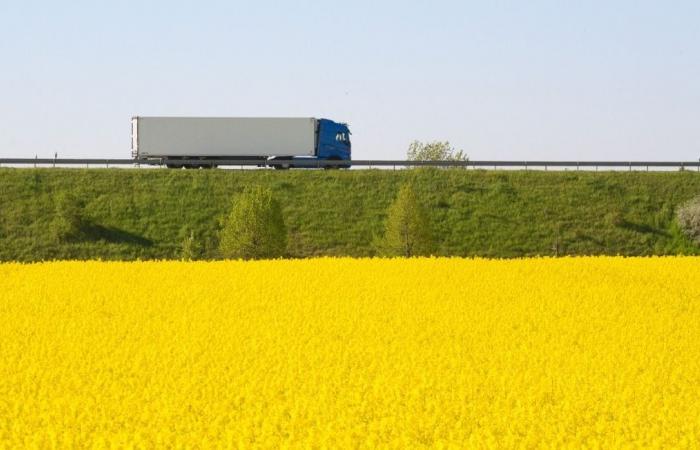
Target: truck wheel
[(332, 166)]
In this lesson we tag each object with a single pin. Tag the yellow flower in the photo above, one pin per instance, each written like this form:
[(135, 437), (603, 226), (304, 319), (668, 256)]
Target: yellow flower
[(328, 353)]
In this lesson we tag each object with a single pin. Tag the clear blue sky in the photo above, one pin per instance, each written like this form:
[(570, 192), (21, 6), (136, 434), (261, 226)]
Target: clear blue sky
[(499, 79)]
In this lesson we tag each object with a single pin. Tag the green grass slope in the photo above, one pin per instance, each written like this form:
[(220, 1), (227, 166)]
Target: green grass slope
[(147, 214)]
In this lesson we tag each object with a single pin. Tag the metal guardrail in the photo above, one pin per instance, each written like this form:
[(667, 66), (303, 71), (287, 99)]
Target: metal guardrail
[(310, 163)]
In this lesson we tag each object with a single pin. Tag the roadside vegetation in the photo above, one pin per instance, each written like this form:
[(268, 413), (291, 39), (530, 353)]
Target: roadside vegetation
[(69, 222), (254, 229), (159, 214), (407, 229), (689, 219), (434, 151)]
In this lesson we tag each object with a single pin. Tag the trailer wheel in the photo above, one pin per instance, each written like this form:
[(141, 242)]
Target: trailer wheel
[(205, 164), (173, 166), (191, 166)]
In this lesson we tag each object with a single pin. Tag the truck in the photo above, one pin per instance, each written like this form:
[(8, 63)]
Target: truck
[(275, 142)]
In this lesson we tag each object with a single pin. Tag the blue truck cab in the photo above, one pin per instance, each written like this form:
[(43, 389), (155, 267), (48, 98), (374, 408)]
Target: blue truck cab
[(333, 141)]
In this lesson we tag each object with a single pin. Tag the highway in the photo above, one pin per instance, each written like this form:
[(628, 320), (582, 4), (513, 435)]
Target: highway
[(364, 164)]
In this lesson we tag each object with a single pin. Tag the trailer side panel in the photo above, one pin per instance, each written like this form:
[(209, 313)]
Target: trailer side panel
[(223, 137)]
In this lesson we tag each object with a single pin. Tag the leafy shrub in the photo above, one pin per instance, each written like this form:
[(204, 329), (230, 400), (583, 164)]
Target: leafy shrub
[(434, 151), (688, 216), (69, 219), (254, 228), (189, 248), (407, 228)]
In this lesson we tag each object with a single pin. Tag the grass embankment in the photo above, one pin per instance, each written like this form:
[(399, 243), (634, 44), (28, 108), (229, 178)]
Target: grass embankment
[(148, 213)]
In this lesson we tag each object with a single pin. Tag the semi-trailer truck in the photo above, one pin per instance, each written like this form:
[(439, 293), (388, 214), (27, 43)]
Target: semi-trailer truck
[(276, 142)]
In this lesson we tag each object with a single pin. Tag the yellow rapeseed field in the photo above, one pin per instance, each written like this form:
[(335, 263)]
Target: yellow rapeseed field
[(327, 353)]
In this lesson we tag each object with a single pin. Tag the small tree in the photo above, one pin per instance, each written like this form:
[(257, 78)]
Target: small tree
[(254, 228), (434, 151), (189, 249), (688, 216), (407, 228), (69, 218)]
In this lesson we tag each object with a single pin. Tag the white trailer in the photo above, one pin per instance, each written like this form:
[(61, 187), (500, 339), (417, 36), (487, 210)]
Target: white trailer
[(191, 137), (242, 138)]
